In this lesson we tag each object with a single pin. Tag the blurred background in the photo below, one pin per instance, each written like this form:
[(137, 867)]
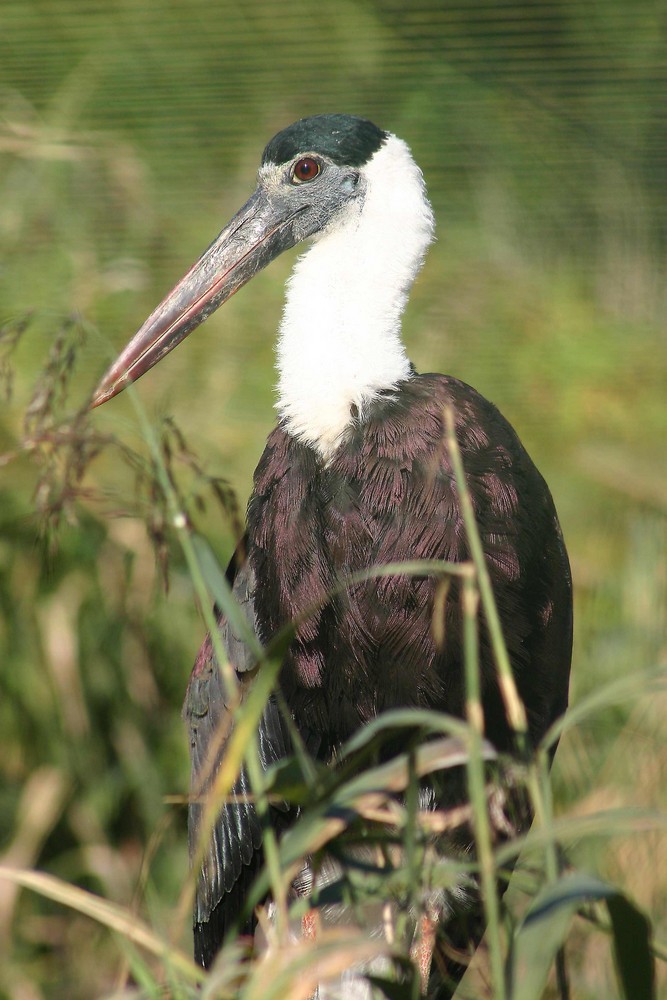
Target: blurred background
[(129, 133)]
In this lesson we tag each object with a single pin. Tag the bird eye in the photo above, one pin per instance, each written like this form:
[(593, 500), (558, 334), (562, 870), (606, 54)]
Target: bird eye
[(305, 169)]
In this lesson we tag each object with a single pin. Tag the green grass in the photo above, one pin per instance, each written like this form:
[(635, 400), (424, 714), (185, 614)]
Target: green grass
[(96, 750), (94, 741), (119, 159)]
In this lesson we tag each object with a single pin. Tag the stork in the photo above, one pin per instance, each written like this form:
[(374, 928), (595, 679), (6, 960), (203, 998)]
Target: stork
[(356, 474)]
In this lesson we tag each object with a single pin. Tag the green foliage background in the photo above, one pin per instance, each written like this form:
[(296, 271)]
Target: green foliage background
[(129, 133)]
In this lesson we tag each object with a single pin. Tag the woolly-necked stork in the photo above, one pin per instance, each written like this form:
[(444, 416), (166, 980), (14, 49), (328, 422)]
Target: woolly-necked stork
[(356, 474)]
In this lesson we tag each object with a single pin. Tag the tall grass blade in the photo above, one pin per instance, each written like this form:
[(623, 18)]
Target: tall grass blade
[(546, 925), (115, 917), (632, 948)]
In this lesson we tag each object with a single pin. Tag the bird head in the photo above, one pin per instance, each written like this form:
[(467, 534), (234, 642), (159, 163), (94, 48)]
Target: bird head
[(310, 179)]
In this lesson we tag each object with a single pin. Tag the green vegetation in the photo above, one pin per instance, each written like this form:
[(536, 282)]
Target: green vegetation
[(127, 135)]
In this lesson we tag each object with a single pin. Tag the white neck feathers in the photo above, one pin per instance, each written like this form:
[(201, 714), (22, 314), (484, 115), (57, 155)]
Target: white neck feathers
[(340, 343)]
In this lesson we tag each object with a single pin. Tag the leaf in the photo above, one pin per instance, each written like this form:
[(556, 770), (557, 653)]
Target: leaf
[(632, 951), (542, 933), (221, 592), (546, 925), (570, 829), (397, 719), (391, 989), (285, 779), (111, 915)]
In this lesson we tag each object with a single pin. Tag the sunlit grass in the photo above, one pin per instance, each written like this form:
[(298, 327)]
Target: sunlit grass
[(88, 713), (95, 656)]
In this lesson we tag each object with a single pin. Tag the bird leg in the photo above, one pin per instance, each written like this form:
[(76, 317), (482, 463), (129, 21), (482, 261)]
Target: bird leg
[(421, 952)]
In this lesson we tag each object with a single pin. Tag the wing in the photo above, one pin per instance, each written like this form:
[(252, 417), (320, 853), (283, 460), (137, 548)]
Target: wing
[(234, 855)]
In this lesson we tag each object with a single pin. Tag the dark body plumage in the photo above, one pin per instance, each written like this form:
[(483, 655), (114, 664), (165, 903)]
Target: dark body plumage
[(387, 494)]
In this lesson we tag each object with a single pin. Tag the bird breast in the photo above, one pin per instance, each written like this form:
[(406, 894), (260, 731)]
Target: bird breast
[(386, 495)]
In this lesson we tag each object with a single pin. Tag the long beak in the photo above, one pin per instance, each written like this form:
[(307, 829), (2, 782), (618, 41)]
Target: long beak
[(257, 233)]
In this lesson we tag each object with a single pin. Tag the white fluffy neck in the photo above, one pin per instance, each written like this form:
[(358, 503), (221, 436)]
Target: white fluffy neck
[(340, 336)]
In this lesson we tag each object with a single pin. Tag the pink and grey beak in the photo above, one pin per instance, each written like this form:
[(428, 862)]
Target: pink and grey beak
[(258, 232)]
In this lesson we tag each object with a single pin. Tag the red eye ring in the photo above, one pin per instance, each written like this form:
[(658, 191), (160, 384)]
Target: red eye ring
[(306, 169)]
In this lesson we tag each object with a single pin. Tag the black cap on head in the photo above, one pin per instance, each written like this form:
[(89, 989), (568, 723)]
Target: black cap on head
[(345, 139)]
